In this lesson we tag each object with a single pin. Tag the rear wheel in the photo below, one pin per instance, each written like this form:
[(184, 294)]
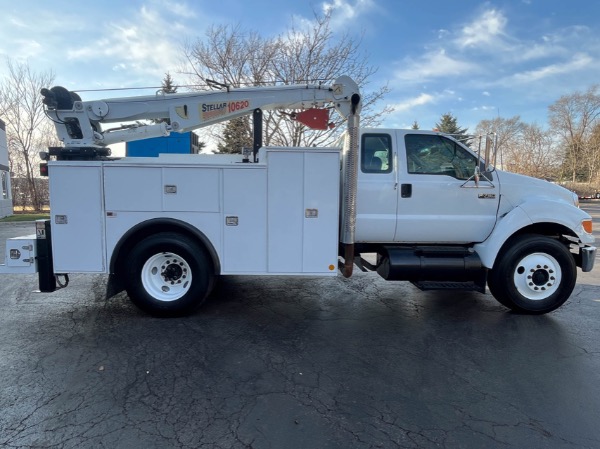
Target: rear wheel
[(535, 274), (168, 274)]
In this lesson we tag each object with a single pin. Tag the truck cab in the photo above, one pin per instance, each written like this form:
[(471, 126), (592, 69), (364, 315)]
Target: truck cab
[(438, 215), (421, 187)]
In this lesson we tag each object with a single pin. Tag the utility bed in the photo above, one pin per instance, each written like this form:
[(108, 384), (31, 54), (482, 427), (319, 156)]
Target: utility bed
[(277, 216)]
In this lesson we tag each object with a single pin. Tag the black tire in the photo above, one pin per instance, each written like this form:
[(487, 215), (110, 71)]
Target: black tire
[(533, 274), (168, 274)]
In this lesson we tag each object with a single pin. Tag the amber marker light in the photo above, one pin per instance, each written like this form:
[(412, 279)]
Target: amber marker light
[(587, 226), (331, 268)]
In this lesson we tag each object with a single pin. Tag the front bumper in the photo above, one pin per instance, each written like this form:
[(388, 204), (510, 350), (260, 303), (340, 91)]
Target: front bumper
[(588, 257)]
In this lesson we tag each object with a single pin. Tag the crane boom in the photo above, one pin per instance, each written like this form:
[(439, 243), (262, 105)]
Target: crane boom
[(79, 124)]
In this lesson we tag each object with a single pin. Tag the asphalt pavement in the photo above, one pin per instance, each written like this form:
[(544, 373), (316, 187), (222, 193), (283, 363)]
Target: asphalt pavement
[(297, 363)]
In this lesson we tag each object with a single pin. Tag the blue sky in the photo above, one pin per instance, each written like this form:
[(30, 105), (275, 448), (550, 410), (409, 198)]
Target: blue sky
[(475, 59)]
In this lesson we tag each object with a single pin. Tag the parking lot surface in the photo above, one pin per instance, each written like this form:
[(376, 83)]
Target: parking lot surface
[(297, 363)]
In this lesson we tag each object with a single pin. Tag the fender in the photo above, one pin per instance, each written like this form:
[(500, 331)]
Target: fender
[(535, 211), (164, 224)]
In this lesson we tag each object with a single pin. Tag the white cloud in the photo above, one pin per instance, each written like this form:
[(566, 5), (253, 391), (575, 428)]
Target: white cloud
[(413, 102), (20, 35), (482, 54), (533, 51), (144, 45), (26, 48), (443, 34), (343, 11), (483, 30), (17, 22), (180, 9), (577, 63), (119, 67), (434, 65)]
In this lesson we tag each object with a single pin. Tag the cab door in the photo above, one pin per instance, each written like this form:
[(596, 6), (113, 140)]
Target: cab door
[(377, 202), (439, 199)]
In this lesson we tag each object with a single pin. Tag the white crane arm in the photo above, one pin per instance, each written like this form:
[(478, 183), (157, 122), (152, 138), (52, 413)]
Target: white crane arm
[(79, 123)]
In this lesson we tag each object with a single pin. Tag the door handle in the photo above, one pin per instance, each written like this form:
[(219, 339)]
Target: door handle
[(406, 190)]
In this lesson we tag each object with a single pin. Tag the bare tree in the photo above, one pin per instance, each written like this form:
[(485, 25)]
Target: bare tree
[(534, 154), (526, 149), (28, 131), (302, 54), (592, 155), (573, 118), (506, 131), (229, 55)]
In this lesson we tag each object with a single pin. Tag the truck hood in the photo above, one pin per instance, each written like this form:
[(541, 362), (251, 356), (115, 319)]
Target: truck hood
[(543, 202), (517, 189)]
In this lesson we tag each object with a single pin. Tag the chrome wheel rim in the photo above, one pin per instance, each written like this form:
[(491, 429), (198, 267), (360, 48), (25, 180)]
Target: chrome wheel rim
[(537, 276), (166, 276)]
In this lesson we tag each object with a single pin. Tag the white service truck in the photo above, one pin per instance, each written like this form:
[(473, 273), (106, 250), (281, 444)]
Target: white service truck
[(433, 211)]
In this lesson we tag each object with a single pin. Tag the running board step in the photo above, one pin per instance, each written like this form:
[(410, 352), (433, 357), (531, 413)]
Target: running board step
[(472, 286)]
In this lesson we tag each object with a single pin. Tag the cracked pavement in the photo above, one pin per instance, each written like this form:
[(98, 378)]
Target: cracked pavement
[(297, 363)]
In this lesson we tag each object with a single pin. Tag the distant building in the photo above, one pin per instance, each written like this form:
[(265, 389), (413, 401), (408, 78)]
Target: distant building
[(6, 204), (184, 143)]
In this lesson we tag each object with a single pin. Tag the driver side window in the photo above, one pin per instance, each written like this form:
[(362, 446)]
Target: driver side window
[(430, 154)]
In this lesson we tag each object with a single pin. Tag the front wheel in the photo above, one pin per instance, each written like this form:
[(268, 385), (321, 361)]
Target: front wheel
[(535, 274), (168, 274)]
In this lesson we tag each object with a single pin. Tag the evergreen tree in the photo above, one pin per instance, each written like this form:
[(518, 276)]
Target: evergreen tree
[(167, 84), (167, 87), (415, 125), (236, 135), (448, 124)]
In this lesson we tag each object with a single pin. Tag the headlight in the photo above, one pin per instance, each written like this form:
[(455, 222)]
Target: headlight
[(575, 199)]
